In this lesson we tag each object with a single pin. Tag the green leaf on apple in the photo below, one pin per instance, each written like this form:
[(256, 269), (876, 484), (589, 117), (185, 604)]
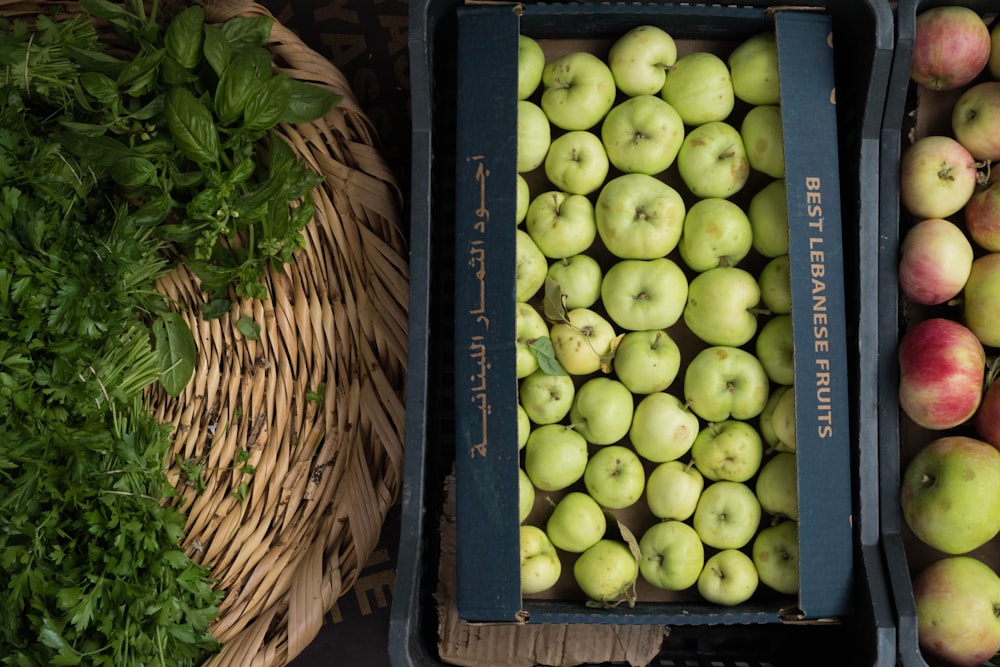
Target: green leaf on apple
[(554, 305), (546, 354), (629, 592)]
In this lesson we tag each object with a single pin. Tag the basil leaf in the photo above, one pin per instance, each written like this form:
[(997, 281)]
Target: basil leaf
[(103, 9), (249, 328), (183, 36), (264, 109), (154, 211), (309, 102), (244, 31), (192, 126), (140, 74), (99, 86), (217, 51), (240, 81), (215, 309), (175, 350), (133, 171)]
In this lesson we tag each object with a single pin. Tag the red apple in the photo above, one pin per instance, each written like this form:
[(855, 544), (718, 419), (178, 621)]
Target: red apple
[(935, 261), (982, 218), (987, 419), (942, 365), (975, 120), (937, 177), (950, 48)]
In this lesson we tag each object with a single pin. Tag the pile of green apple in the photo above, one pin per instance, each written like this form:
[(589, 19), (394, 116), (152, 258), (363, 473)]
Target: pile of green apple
[(949, 279), (654, 346)]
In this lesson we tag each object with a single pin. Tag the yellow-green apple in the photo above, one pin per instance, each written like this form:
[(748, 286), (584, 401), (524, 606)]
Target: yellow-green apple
[(640, 59), (642, 135), (934, 262), (722, 382), (606, 571), (555, 457), (950, 493), (942, 365), (782, 421), (776, 285), (981, 302), (530, 63), (775, 554), (583, 342), (982, 218), (753, 66), (768, 214), (775, 348), (639, 216), (579, 279), (540, 564), (647, 361), (529, 326), (578, 90), (546, 398), (777, 486), (530, 267), (525, 495), (951, 46), (974, 119), (763, 138), (727, 516), (712, 161), (561, 224), (522, 199), (729, 578), (534, 135), (728, 450), (993, 64), (957, 603), (644, 294), (615, 477), (937, 177), (602, 410), (766, 419), (576, 162), (699, 88), (716, 232), (662, 429), (673, 489), (672, 555), (721, 306), (576, 523), (523, 426)]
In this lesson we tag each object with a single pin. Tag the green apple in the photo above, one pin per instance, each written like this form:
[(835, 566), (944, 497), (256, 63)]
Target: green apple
[(577, 162), (727, 516), (647, 361), (753, 65), (639, 216), (579, 279), (775, 554), (777, 486), (522, 199), (981, 300), (699, 88), (776, 285), (782, 419), (540, 564), (766, 420), (716, 232), (662, 428), (602, 410), (642, 135), (583, 342), (728, 450), (530, 267), (712, 161), (577, 523), (534, 135), (769, 219), (555, 457), (672, 555), (763, 137), (606, 571), (723, 382), (640, 59), (525, 495), (644, 294), (561, 224), (615, 477), (523, 426), (673, 489), (950, 493), (578, 90), (530, 63), (529, 326), (545, 398), (721, 306), (729, 578), (775, 347)]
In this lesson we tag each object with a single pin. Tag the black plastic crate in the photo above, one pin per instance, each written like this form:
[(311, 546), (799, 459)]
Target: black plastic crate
[(867, 637)]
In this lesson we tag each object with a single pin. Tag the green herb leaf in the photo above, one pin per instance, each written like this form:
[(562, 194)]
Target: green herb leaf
[(176, 351), (247, 31), (265, 109), (192, 126), (217, 50), (309, 102), (249, 328), (184, 36)]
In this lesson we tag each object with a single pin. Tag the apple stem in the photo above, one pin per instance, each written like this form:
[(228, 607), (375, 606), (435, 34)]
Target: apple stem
[(728, 153), (714, 428), (760, 311), (926, 480)]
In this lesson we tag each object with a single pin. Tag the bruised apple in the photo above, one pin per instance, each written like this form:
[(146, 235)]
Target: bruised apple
[(942, 365), (935, 261), (951, 47)]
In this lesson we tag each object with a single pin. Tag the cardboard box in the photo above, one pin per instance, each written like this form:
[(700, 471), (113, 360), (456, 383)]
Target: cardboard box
[(486, 386)]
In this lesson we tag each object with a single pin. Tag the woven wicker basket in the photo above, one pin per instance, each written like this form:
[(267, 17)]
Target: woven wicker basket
[(327, 471)]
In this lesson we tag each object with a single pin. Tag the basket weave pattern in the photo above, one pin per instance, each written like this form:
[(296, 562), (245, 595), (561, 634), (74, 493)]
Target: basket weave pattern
[(327, 469)]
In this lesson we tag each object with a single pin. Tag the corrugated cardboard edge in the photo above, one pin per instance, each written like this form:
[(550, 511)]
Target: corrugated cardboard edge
[(525, 645)]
